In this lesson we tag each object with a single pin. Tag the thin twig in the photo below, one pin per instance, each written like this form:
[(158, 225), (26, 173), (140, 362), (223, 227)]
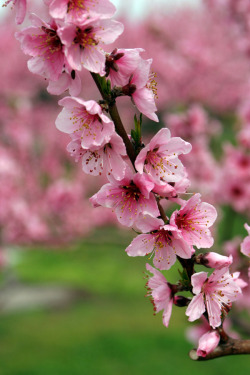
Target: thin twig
[(162, 212), (231, 347), (114, 114)]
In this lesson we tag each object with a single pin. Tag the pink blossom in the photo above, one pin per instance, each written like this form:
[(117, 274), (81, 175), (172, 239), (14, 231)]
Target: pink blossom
[(128, 197), (77, 11), (213, 294), (233, 189), (84, 120), (20, 9), (163, 240), (160, 157), (41, 41), (190, 124), (121, 64), (142, 89), (245, 246), (107, 157), (83, 43), (193, 220), (207, 343), (161, 293), (237, 160)]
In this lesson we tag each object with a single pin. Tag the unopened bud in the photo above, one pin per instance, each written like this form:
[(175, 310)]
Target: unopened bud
[(181, 301), (129, 89), (207, 343), (214, 260)]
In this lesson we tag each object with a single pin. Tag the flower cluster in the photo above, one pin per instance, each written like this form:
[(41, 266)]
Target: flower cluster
[(143, 179)]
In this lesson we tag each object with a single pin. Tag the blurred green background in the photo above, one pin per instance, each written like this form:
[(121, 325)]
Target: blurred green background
[(109, 328)]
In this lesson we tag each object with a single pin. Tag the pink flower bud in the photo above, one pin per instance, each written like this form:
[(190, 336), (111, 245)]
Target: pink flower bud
[(207, 343), (215, 260), (181, 301)]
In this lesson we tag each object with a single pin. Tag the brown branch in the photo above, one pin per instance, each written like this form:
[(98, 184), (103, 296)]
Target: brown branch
[(188, 265), (117, 120), (162, 212), (231, 347), (121, 131)]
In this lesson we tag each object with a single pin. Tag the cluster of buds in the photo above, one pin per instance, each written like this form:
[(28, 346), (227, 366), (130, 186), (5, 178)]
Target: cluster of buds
[(141, 178)]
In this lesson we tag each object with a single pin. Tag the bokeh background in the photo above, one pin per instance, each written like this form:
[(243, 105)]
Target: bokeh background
[(71, 301)]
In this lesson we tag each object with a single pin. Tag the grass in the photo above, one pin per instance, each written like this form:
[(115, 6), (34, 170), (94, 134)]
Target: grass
[(110, 332)]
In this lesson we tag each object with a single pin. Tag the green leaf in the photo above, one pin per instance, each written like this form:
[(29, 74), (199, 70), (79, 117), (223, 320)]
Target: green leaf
[(184, 278)]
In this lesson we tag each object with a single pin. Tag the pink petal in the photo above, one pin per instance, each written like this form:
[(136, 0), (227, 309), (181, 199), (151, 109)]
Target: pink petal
[(157, 280), (175, 146), (144, 101), (196, 308), (141, 74), (245, 246), (73, 55), (162, 137), (75, 85), (58, 8), (20, 11), (197, 280), (92, 163), (59, 86), (140, 159), (109, 31), (164, 257), (167, 313), (148, 223), (141, 245), (214, 311), (93, 59), (181, 248), (247, 227), (116, 165)]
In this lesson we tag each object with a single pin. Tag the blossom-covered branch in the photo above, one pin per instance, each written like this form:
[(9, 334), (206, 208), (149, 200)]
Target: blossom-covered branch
[(142, 179)]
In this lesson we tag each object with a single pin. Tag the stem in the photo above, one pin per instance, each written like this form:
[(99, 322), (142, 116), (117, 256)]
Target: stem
[(116, 119), (188, 265), (114, 114), (231, 347), (162, 212)]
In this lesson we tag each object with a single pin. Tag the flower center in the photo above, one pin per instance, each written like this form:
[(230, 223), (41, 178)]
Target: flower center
[(132, 192), (184, 221), (86, 37), (51, 40), (85, 122)]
